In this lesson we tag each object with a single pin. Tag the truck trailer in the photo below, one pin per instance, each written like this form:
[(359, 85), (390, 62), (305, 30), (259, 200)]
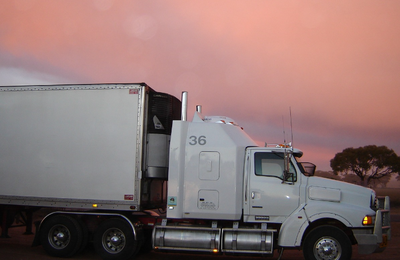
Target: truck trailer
[(120, 166)]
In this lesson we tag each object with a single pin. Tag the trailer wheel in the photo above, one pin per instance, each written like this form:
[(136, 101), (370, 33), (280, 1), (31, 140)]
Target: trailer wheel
[(114, 239), (61, 236), (327, 242)]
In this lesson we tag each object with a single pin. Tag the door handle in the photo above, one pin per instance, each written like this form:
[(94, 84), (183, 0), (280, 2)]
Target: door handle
[(253, 195)]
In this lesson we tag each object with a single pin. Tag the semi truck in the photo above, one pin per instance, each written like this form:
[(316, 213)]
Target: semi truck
[(121, 166)]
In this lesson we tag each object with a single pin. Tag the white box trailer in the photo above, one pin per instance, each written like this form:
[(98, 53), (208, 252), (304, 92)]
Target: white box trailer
[(83, 146), (103, 158)]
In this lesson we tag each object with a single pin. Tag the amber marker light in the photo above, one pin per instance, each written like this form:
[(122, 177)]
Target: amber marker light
[(367, 220), (94, 205), (215, 250)]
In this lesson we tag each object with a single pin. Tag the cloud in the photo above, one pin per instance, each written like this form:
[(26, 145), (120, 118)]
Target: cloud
[(19, 76), (27, 70)]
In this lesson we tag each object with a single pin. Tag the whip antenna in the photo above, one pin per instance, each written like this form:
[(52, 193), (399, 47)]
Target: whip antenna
[(291, 124), (284, 134)]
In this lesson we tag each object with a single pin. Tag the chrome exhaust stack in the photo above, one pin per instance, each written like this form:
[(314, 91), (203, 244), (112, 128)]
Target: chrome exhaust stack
[(184, 105), (198, 109)]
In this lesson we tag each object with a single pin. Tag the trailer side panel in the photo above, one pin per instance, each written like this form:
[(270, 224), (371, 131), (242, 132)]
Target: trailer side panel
[(74, 146)]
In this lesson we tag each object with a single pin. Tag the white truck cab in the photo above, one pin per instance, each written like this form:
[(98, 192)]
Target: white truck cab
[(217, 173)]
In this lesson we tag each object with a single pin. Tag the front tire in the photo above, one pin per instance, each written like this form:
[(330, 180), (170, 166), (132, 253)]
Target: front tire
[(61, 236), (114, 240), (327, 242)]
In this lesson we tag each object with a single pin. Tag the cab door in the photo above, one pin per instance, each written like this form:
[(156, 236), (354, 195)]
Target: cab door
[(268, 196)]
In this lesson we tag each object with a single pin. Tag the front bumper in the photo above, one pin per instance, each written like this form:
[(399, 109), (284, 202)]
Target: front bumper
[(375, 240)]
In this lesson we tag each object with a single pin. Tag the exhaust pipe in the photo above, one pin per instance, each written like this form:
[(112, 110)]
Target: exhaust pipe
[(198, 109), (184, 106)]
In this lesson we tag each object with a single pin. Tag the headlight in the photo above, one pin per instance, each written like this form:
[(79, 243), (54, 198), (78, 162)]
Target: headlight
[(367, 221)]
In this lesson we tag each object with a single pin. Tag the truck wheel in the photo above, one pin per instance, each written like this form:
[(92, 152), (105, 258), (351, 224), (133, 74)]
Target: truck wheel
[(327, 242), (61, 236), (114, 239)]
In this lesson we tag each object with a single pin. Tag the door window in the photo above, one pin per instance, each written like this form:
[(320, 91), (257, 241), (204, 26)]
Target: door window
[(272, 165)]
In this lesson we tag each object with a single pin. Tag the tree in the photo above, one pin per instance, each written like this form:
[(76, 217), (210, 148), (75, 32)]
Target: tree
[(370, 163)]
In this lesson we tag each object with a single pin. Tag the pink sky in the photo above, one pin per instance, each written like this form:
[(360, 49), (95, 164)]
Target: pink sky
[(335, 63)]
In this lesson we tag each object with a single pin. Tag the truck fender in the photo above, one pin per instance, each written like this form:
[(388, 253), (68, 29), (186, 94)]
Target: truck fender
[(337, 211), (329, 215), (318, 216), (292, 229)]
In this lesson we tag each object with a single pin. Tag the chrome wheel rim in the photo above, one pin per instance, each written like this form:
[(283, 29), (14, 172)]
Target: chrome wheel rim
[(114, 240), (327, 248), (59, 236)]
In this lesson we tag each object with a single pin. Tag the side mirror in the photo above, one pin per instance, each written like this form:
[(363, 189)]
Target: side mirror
[(307, 168)]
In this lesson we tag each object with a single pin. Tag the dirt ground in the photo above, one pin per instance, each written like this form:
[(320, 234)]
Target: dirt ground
[(18, 247)]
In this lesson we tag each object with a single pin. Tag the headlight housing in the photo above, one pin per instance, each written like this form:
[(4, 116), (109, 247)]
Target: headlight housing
[(368, 220)]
